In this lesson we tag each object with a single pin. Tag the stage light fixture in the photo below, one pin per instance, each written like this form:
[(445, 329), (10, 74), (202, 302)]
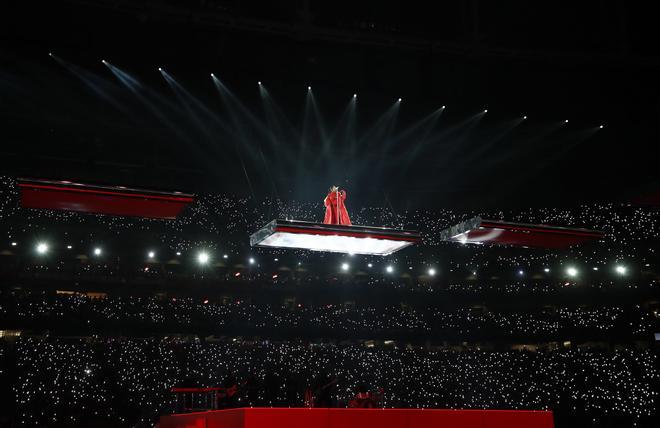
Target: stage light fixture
[(97, 251), (259, 83), (160, 69), (399, 99), (566, 121), (42, 248), (251, 260), (571, 271), (546, 270), (370, 265), (225, 256), (344, 267), (389, 269), (621, 270), (309, 88), (524, 117), (151, 254), (212, 75), (203, 258), (601, 126), (431, 272), (595, 268), (521, 273), (103, 61), (13, 244), (178, 253), (354, 95), (485, 110), (68, 247), (443, 107), (50, 54)]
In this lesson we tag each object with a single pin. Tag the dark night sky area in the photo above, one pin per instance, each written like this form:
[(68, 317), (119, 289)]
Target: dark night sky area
[(592, 63)]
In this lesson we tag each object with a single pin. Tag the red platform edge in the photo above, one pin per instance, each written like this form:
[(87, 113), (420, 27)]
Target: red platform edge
[(483, 231), (259, 417), (107, 200)]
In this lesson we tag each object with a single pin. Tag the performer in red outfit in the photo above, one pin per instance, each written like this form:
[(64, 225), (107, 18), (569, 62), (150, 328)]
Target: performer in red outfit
[(335, 209)]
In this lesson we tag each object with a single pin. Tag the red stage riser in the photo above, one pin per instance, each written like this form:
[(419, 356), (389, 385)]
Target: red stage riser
[(360, 418)]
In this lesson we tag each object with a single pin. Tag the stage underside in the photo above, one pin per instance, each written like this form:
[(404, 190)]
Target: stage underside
[(482, 231), (107, 200), (359, 418), (333, 238)]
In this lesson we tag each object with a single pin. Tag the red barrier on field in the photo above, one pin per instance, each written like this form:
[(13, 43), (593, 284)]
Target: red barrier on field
[(359, 418)]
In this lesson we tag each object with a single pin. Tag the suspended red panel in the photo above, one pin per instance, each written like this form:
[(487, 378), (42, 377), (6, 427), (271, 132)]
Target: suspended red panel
[(333, 238), (108, 200), (482, 231)]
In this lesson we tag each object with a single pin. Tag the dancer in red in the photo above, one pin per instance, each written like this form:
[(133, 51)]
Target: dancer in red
[(335, 209)]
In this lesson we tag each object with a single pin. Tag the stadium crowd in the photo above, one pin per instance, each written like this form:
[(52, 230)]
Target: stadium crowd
[(127, 381), (101, 316), (82, 314)]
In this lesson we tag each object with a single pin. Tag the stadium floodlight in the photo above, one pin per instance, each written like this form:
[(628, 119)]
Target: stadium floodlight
[(42, 248), (98, 251), (203, 257), (431, 272), (389, 269), (344, 267), (571, 271), (621, 270)]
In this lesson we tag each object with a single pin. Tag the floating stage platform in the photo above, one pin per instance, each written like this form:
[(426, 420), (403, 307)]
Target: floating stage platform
[(333, 238), (482, 231), (258, 417), (95, 199)]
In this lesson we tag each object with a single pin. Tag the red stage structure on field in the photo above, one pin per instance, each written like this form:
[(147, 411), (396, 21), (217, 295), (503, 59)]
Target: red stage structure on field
[(359, 418), (93, 199), (481, 231)]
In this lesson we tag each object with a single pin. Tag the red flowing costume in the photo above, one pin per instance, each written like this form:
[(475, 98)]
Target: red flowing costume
[(335, 209)]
